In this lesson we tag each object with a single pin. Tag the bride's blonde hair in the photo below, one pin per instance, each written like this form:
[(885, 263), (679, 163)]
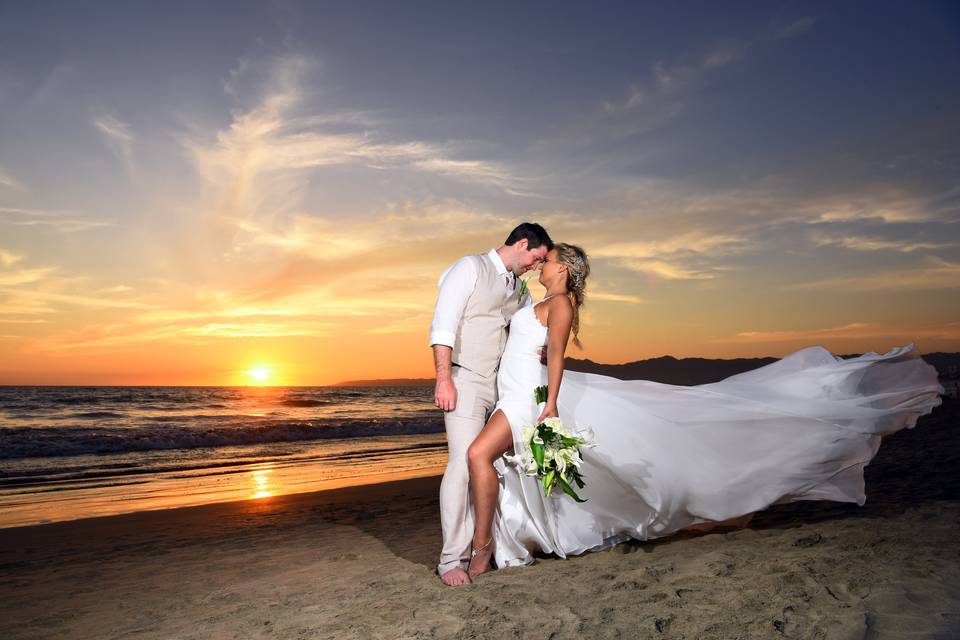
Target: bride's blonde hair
[(578, 268)]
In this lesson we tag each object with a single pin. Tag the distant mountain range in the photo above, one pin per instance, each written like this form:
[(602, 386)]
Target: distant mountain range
[(670, 370)]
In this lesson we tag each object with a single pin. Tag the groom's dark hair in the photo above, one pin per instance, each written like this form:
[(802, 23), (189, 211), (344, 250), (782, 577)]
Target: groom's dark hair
[(534, 234)]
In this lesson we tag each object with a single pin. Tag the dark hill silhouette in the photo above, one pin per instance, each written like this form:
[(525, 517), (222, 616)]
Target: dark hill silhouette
[(692, 371), (670, 370)]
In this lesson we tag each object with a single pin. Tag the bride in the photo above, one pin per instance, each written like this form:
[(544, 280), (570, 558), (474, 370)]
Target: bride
[(671, 457)]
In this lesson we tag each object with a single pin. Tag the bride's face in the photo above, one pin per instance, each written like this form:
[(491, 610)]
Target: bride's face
[(551, 269)]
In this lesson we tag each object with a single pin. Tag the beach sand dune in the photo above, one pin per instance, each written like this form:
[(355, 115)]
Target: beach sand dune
[(358, 563)]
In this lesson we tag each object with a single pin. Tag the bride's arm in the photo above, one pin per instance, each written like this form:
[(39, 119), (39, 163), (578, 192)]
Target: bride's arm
[(558, 332)]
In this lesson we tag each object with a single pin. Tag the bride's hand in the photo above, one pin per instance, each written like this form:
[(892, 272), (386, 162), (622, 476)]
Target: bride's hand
[(548, 412)]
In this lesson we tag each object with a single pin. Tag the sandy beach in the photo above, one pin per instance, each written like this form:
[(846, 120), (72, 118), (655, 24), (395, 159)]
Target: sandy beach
[(358, 563)]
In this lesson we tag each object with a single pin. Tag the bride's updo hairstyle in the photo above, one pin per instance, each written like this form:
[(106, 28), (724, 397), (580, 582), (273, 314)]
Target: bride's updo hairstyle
[(578, 268)]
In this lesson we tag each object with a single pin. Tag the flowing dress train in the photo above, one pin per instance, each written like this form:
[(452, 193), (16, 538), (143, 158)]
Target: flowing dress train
[(667, 456)]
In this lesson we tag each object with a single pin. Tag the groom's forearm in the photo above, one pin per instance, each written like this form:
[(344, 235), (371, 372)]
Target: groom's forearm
[(443, 362), (445, 394)]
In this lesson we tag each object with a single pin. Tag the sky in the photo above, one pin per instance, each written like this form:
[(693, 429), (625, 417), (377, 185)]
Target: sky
[(193, 191)]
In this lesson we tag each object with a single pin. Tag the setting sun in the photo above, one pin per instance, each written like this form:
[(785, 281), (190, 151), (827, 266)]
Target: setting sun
[(260, 375)]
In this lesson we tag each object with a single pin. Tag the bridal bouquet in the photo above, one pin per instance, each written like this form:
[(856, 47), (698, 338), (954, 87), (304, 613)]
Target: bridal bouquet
[(551, 453)]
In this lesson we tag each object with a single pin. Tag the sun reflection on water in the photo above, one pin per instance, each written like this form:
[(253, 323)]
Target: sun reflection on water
[(261, 482)]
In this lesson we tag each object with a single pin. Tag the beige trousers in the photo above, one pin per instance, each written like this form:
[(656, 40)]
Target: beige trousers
[(476, 396)]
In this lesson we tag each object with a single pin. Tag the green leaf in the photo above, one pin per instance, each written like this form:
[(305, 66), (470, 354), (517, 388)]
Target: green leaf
[(540, 394), (567, 489), (548, 482), (522, 289), (537, 450)]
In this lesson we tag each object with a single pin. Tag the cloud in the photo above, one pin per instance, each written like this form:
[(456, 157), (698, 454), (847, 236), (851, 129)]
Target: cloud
[(933, 273), (866, 243), (119, 137), (24, 276), (691, 241), (794, 29), (661, 96), (8, 259), (676, 79), (30, 291), (615, 297), (846, 211), (6, 180), (60, 220), (114, 129), (277, 141), (853, 330)]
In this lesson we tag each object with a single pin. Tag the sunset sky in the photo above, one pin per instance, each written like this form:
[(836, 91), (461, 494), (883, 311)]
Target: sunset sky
[(191, 191)]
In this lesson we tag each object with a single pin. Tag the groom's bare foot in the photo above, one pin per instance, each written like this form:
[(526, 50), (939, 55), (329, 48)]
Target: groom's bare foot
[(455, 577), (480, 562)]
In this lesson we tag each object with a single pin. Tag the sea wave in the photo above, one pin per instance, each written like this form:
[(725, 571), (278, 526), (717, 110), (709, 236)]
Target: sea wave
[(305, 403), (54, 441)]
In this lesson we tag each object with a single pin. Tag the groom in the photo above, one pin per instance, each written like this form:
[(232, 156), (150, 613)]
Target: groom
[(478, 296)]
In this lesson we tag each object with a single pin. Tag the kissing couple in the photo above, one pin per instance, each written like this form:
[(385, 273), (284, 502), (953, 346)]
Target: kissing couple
[(667, 457)]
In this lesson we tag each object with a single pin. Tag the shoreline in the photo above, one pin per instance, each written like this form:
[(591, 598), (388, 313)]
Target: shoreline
[(358, 562), (359, 488)]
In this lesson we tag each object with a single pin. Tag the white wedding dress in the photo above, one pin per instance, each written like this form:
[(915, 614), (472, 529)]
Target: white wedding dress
[(668, 457)]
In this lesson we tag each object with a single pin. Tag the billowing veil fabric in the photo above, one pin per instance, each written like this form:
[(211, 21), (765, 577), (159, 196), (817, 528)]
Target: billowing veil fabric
[(668, 457)]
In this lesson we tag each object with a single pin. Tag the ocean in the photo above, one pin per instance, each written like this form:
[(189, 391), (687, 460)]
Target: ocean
[(77, 452)]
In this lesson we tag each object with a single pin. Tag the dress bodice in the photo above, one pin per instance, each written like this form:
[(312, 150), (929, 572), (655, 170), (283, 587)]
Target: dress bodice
[(527, 334)]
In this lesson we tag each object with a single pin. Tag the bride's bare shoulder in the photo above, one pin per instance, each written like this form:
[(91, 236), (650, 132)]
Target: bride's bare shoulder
[(560, 305)]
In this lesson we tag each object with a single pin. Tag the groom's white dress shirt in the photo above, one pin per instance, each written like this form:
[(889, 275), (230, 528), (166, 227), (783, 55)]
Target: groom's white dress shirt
[(456, 285)]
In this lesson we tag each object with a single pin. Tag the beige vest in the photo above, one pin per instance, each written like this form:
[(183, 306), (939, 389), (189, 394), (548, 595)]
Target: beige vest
[(482, 333)]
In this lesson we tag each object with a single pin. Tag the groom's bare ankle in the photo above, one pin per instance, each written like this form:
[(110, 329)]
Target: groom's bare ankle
[(455, 577)]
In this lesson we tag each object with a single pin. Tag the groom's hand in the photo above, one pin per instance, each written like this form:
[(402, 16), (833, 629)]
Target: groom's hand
[(445, 395), (543, 355)]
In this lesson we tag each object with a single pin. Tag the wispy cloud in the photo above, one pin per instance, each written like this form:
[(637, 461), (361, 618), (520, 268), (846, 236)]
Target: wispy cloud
[(615, 297), (32, 294), (795, 28), (672, 80), (681, 257), (8, 181), (853, 330), (23, 276), (847, 211), (61, 220), (660, 96), (844, 331), (279, 140), (867, 243), (118, 136), (933, 273), (8, 259)]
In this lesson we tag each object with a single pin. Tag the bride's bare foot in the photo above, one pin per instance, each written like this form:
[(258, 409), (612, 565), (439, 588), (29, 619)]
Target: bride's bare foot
[(480, 559), (455, 577)]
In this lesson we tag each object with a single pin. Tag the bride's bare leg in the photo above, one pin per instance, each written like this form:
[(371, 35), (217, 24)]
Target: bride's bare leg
[(492, 442)]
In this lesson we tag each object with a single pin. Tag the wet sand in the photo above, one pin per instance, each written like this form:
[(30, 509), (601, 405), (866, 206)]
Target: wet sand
[(358, 563)]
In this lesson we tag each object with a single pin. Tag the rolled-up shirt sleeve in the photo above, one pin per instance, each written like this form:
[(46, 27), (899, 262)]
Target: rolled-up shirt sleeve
[(456, 284)]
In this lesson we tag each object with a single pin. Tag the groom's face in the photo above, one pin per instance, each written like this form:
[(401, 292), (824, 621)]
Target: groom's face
[(528, 259)]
